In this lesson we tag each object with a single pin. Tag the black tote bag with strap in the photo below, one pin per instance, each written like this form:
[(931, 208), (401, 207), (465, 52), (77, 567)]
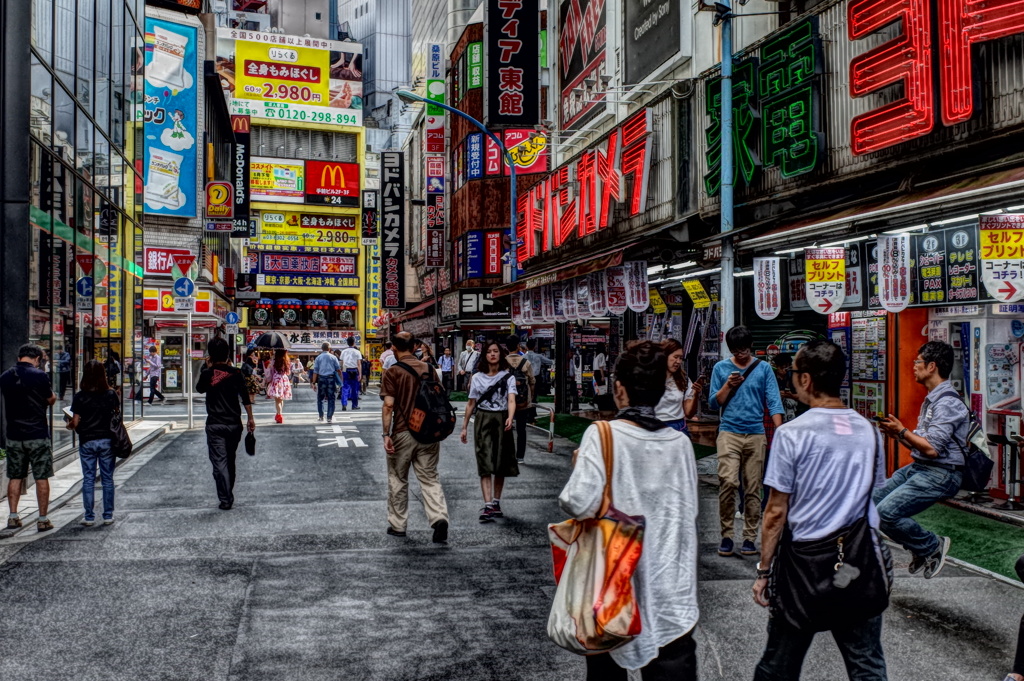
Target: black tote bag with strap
[(120, 443)]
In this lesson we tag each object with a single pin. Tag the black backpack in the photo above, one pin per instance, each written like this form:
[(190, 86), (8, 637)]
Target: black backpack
[(522, 387), (433, 416)]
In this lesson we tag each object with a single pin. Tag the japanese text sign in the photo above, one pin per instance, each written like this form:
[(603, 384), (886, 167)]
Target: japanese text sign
[(278, 180), (306, 233), (615, 290), (220, 200), (637, 290), (698, 295), (512, 30), (1002, 256), (894, 272), (767, 288), (435, 78), (371, 232), (825, 278), (331, 183), (392, 216)]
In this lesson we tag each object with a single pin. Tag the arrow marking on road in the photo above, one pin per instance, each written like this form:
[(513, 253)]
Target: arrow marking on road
[(341, 441)]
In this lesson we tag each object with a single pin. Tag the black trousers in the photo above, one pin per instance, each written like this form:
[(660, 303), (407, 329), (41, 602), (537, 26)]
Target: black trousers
[(521, 421), (222, 441), (676, 661), (152, 389), (446, 381), (65, 381)]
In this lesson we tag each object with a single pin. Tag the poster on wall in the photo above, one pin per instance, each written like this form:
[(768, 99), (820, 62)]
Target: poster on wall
[(392, 215), (637, 290), (511, 44), (279, 180), (825, 277), (767, 288), (583, 31), (170, 119), (1002, 256), (894, 272), (615, 290)]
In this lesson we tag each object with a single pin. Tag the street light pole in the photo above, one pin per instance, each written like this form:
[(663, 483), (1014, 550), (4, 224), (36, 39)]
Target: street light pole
[(727, 290), (404, 94)]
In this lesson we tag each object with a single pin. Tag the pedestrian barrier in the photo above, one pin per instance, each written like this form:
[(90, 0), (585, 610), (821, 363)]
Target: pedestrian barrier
[(551, 426)]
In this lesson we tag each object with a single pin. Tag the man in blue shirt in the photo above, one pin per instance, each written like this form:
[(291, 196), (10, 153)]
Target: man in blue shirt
[(742, 396), (325, 381), (447, 366)]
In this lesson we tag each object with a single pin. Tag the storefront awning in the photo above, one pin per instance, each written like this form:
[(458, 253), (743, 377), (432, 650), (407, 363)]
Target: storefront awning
[(414, 313), (577, 268)]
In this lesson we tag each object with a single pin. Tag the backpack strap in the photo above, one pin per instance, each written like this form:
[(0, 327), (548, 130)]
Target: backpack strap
[(409, 369)]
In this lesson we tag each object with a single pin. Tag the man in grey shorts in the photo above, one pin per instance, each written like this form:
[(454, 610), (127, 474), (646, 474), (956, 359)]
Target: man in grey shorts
[(27, 395)]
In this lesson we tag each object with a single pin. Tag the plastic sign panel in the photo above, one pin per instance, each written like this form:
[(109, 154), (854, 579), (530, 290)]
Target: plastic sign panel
[(511, 43), (306, 233), (292, 78), (161, 260), (699, 296), (435, 78), (170, 120), (615, 290), (658, 305), (392, 230), (767, 288), (371, 232), (333, 184), (277, 179), (825, 278), (220, 203), (583, 37), (475, 66), (1002, 256), (637, 290), (241, 126), (528, 149), (894, 272)]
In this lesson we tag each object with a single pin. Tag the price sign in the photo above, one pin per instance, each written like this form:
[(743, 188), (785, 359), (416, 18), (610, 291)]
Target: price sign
[(1002, 256), (698, 295), (893, 272), (825, 278)]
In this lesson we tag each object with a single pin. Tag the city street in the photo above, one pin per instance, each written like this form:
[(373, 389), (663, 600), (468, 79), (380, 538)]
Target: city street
[(300, 581)]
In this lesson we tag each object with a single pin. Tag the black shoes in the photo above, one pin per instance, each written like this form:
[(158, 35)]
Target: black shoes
[(224, 506), (440, 532), (395, 533)]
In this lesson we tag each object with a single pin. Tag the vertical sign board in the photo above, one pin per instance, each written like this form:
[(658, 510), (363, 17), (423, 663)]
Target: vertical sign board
[(492, 253), (1002, 256), (240, 176), (393, 230), (825, 278), (767, 288), (435, 79), (512, 82), (893, 272), (583, 36), (370, 229), (435, 228), (652, 36)]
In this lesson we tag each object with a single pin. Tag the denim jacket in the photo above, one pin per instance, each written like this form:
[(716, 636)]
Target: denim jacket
[(944, 421)]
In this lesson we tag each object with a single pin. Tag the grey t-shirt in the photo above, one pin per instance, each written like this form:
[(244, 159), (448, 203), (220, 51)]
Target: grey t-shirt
[(825, 459)]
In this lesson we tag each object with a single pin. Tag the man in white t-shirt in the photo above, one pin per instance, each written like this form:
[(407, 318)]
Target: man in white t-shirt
[(387, 358), (600, 370), (351, 371), (824, 466)]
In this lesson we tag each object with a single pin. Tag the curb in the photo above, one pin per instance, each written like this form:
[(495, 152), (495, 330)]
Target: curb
[(990, 513)]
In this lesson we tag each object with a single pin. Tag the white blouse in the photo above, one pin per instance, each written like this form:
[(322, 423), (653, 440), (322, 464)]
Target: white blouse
[(670, 408), (654, 476)]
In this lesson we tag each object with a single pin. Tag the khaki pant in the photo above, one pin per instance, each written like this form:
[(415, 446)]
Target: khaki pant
[(423, 459), (736, 451)]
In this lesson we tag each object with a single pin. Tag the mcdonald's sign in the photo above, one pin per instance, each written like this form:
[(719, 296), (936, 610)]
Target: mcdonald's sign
[(334, 184)]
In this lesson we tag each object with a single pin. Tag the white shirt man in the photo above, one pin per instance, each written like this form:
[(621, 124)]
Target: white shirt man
[(352, 371), (351, 358)]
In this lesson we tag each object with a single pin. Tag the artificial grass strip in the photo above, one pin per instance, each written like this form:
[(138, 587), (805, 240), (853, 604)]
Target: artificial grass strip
[(975, 539), (568, 426)]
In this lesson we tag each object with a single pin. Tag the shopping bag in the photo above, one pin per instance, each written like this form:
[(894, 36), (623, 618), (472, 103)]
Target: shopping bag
[(595, 608)]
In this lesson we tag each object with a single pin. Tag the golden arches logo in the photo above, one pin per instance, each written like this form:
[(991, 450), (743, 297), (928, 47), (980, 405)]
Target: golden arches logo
[(335, 173)]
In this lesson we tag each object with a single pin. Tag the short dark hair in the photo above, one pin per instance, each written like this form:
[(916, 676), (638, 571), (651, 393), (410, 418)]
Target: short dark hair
[(512, 343), (387, 345), (783, 359), (325, 347), (152, 348), (940, 353), (218, 349), (94, 377), (402, 341), (531, 344), (641, 370), (30, 350), (825, 363), (351, 341), (739, 338)]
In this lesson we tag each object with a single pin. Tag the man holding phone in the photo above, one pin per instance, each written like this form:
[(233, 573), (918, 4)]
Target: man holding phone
[(742, 387)]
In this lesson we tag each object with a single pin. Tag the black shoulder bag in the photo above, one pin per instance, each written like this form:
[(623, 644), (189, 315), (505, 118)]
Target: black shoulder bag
[(721, 407), (120, 443), (834, 582)]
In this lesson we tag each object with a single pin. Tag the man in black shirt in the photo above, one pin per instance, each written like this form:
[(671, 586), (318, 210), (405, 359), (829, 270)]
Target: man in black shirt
[(27, 396), (225, 388)]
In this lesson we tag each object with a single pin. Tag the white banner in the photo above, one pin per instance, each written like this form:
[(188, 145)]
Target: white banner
[(598, 302), (1002, 256), (767, 288), (825, 278), (894, 272), (615, 290), (582, 288), (547, 304), (536, 314), (637, 289), (569, 294), (517, 308)]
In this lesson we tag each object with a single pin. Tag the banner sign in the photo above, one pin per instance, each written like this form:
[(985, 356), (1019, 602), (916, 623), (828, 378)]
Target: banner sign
[(615, 290), (331, 183), (435, 78), (492, 253), (767, 288), (528, 149), (170, 119), (512, 83), (288, 263), (220, 201), (240, 176), (393, 229), (434, 256), (569, 301), (474, 255), (433, 140), (637, 290), (161, 260), (371, 232), (475, 67), (289, 77), (435, 173), (306, 233), (583, 36), (53, 271), (547, 304), (1002, 256), (652, 37), (658, 305), (697, 294), (894, 272), (598, 295), (277, 179), (825, 278)]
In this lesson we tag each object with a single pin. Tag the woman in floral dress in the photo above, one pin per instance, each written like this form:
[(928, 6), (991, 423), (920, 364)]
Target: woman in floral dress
[(279, 382)]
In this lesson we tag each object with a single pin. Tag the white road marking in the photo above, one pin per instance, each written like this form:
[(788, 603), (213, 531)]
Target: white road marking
[(338, 429), (341, 441)]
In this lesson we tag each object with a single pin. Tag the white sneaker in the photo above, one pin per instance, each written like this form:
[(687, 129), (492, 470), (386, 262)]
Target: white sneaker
[(87, 523), (108, 521)]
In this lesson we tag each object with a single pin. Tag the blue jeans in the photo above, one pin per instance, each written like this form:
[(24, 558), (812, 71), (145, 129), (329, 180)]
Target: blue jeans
[(680, 425), (909, 491), (91, 453), (860, 645), (350, 390), (325, 387)]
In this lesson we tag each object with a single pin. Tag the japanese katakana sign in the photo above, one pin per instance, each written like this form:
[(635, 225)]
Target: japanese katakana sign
[(512, 80), (392, 217), (894, 272), (1002, 256), (825, 278), (767, 289)]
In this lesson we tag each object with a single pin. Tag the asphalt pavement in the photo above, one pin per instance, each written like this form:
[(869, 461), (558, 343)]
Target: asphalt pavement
[(299, 580)]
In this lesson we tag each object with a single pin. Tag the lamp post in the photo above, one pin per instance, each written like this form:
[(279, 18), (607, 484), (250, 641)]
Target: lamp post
[(404, 94), (728, 289)]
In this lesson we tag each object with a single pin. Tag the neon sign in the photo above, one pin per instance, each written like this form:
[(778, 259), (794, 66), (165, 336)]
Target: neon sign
[(909, 58)]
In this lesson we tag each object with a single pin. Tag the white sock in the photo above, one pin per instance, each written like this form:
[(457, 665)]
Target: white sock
[(13, 515)]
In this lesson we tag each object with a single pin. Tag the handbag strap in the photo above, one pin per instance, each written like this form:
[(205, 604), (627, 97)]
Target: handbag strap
[(604, 429), (732, 392)]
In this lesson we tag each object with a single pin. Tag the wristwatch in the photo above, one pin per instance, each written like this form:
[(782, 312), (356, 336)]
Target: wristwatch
[(902, 433), (763, 574)]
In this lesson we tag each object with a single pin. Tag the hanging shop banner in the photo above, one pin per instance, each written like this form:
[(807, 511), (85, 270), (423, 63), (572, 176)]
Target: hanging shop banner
[(598, 295), (435, 231), (558, 293), (547, 301), (220, 203), (767, 288), (569, 296), (536, 313), (290, 77), (583, 294), (1002, 256), (474, 255), (583, 37), (825, 278), (170, 119), (697, 293), (393, 229), (306, 233), (279, 180), (517, 309), (370, 227), (511, 44), (658, 305), (894, 272), (637, 290), (333, 184), (240, 170), (615, 290), (435, 78)]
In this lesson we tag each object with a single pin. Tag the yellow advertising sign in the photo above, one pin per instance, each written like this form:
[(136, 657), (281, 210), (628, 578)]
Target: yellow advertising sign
[(657, 302), (277, 179), (825, 264), (697, 293), (287, 231)]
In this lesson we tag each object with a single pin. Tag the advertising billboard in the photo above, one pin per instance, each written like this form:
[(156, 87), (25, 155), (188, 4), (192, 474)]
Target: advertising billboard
[(333, 184), (371, 233), (280, 180), (435, 78), (652, 36), (241, 126), (293, 78), (170, 118), (306, 233), (583, 35), (511, 44), (392, 215)]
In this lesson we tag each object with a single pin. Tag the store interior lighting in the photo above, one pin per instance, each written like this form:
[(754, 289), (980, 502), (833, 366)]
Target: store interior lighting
[(950, 221), (655, 269), (743, 274), (904, 230), (794, 250), (688, 263), (850, 241)]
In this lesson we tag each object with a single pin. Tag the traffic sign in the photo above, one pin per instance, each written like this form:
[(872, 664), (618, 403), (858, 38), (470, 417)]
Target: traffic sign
[(182, 263), (233, 318), (84, 287), (232, 329), (184, 287), (184, 304)]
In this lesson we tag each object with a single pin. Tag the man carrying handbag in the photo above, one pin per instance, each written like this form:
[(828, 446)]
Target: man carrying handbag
[(823, 566)]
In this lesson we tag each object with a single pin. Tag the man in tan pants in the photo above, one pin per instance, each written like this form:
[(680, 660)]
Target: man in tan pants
[(398, 388)]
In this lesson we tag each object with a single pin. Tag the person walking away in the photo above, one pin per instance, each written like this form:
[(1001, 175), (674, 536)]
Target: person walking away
[(574, 364), (654, 476), (154, 365), (540, 365), (741, 387), (326, 379), (681, 394), (112, 368), (935, 473), (27, 397), (279, 384), (526, 385), (250, 373), (351, 363), (94, 407), (447, 365), (463, 365), (387, 358), (63, 371), (494, 410), (225, 390), (399, 386), (364, 380), (1018, 661), (825, 465)]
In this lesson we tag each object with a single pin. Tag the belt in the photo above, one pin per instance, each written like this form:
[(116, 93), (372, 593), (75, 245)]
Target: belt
[(946, 466)]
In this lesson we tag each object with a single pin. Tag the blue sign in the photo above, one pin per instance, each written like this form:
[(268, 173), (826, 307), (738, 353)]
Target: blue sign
[(474, 255), (1017, 327), (170, 117), (184, 287), (232, 318), (474, 156), (84, 287)]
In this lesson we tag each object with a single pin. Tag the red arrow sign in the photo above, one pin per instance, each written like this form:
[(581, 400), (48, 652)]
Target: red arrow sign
[(826, 304), (1009, 289)]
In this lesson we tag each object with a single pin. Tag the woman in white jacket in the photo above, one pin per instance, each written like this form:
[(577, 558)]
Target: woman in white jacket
[(654, 476)]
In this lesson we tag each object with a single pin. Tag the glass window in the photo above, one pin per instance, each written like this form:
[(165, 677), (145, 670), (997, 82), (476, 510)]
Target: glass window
[(63, 123), (42, 28), (64, 37), (83, 146), (41, 110), (86, 52), (101, 111), (101, 164)]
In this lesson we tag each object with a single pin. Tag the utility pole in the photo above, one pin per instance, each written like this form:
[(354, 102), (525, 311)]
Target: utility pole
[(727, 289)]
